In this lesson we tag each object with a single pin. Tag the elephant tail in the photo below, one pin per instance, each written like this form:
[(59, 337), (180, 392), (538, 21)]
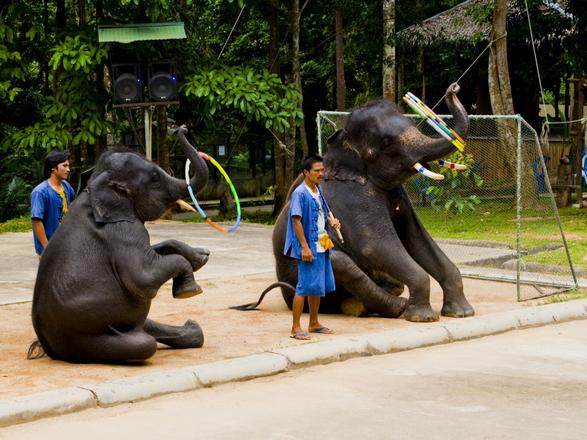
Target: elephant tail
[(35, 351), (253, 306)]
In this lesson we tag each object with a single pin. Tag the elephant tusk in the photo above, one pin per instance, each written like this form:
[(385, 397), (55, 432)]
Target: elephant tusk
[(185, 206), (452, 165), (430, 174)]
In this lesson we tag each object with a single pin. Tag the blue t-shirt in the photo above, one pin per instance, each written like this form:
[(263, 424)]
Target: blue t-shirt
[(303, 204), (47, 206)]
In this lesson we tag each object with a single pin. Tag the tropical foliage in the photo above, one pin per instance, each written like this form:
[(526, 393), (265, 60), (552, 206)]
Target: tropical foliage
[(238, 68)]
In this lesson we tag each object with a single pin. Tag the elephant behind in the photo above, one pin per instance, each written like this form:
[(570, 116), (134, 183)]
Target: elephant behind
[(385, 246), (99, 272)]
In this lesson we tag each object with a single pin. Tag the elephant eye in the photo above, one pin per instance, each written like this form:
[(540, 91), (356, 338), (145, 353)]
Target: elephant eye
[(388, 140), (155, 180)]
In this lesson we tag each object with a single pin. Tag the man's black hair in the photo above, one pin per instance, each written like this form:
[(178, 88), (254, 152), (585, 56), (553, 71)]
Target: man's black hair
[(309, 161), (53, 159)]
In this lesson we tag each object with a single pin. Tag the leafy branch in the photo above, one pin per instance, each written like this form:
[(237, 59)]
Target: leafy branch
[(259, 96)]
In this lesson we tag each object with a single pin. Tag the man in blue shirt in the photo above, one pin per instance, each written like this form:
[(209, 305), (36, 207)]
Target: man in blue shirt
[(307, 241), (50, 200)]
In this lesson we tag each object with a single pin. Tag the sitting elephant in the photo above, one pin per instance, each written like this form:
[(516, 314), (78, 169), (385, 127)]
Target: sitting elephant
[(99, 272), (385, 246)]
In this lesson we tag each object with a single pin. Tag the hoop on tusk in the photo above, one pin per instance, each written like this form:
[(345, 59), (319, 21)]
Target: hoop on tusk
[(216, 226), (425, 171), (452, 165), (435, 121)]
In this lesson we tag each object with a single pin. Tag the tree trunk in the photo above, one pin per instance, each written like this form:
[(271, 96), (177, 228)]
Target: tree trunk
[(60, 18), (101, 141), (500, 95), (420, 70), (500, 89), (388, 68), (340, 84), (295, 17), (275, 67)]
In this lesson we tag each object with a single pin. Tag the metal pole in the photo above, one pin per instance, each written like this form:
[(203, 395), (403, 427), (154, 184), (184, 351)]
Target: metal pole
[(518, 204), (319, 126)]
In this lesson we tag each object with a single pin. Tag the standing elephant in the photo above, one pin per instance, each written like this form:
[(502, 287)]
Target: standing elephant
[(385, 246), (99, 273)]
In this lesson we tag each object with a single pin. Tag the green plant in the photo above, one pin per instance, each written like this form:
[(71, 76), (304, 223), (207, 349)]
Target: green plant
[(450, 194), (258, 95), (14, 198), (269, 193), (19, 224)]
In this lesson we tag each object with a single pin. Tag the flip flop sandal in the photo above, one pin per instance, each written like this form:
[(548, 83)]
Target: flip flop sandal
[(323, 330), (301, 336)]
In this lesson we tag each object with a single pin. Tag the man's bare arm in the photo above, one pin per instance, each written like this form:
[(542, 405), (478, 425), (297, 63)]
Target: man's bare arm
[(39, 231)]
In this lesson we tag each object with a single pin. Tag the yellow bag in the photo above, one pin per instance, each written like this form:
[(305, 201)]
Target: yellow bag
[(326, 242)]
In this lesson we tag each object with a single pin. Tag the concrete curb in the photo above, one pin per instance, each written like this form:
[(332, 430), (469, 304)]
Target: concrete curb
[(50, 403), (35, 406)]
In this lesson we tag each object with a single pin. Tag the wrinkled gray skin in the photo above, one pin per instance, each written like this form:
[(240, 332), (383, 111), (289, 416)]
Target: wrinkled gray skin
[(385, 246), (99, 273)]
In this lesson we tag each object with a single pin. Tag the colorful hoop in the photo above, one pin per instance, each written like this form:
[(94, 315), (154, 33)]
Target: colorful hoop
[(213, 224), (435, 121)]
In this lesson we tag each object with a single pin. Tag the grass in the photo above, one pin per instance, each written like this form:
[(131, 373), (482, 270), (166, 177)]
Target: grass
[(567, 296), (19, 224), (494, 223)]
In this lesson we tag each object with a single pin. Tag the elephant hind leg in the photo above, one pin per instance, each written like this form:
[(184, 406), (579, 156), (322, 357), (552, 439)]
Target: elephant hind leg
[(388, 283), (363, 288), (114, 347), (189, 335)]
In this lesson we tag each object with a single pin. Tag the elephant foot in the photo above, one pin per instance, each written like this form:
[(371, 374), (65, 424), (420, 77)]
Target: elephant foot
[(189, 335), (185, 288), (199, 258), (353, 307), (457, 309), (393, 307), (420, 313)]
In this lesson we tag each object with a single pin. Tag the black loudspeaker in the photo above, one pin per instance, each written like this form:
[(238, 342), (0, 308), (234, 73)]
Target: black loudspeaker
[(126, 84), (162, 82)]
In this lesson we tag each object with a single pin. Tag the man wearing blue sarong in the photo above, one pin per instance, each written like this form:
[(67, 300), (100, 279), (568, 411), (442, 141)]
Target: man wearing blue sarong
[(307, 241)]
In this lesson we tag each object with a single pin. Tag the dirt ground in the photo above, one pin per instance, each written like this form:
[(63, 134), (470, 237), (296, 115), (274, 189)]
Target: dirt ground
[(228, 333)]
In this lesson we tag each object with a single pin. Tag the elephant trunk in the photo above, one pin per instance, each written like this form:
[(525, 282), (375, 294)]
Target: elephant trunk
[(435, 149), (200, 169)]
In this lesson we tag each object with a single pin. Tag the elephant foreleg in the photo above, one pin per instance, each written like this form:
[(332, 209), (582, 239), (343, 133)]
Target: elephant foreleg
[(375, 299), (196, 256), (184, 285), (143, 274), (189, 335), (426, 252)]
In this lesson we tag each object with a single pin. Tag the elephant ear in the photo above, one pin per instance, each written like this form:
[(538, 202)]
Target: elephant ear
[(336, 137), (110, 200)]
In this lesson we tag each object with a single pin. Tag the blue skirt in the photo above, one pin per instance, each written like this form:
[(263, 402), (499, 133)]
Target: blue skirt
[(315, 278)]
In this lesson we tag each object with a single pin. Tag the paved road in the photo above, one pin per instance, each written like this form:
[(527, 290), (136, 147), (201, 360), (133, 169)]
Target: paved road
[(244, 253), (523, 384)]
